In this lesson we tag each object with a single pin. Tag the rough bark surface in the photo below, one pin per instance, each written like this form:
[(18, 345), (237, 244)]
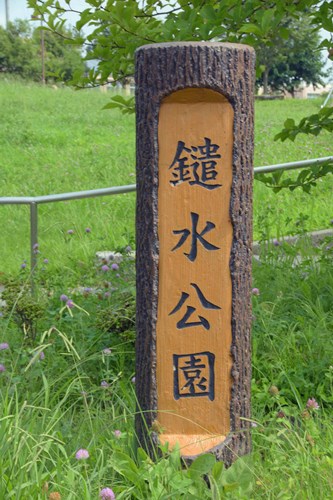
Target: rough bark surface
[(161, 70)]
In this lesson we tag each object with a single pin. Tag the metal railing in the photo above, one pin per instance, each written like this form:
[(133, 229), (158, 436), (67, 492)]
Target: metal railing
[(34, 201)]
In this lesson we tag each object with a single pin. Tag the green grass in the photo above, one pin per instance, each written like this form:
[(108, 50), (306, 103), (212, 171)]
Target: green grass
[(55, 141), (52, 407), (59, 141)]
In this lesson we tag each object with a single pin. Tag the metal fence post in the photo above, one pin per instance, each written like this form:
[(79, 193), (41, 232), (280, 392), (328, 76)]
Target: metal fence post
[(33, 242)]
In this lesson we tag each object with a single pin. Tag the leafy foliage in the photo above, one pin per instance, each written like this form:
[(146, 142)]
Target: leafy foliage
[(313, 125), (307, 178), (119, 28)]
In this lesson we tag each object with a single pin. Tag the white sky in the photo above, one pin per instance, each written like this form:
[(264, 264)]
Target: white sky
[(18, 10)]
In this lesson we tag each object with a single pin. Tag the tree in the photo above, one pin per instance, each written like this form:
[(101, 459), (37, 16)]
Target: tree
[(20, 53), (119, 27), (287, 62)]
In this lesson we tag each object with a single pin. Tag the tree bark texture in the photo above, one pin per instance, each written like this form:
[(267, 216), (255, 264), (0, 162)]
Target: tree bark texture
[(161, 70)]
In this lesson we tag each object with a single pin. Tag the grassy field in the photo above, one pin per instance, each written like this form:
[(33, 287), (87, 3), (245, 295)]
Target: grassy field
[(67, 369), (54, 141)]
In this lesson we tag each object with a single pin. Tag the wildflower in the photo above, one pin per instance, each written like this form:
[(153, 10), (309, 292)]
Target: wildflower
[(82, 454), (255, 291), (35, 247), (276, 243), (70, 231), (4, 346), (2, 368), (105, 268), (273, 390), (41, 355), (55, 495), (117, 433), (63, 297), (46, 261), (107, 295), (23, 265), (104, 383), (312, 404), (254, 424), (87, 290), (107, 351), (128, 249), (70, 303), (87, 230), (115, 267), (133, 380), (107, 494)]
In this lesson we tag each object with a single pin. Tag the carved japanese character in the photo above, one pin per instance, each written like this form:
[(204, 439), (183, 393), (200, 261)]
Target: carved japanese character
[(194, 375)]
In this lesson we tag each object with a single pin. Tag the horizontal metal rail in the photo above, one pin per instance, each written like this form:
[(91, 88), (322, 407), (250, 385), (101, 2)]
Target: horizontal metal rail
[(34, 201), (76, 195), (292, 165)]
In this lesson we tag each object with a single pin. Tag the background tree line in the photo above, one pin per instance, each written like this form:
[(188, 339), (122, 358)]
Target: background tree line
[(21, 47)]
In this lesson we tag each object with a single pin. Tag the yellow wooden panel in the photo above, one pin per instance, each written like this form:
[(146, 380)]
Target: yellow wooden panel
[(195, 141)]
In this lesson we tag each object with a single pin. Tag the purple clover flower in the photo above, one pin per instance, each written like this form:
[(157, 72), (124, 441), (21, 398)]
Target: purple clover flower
[(255, 291), (104, 383), (4, 346), (63, 297), (36, 246), (82, 454), (87, 230), (107, 295), (312, 404), (114, 267), (46, 261), (70, 231), (128, 249), (23, 265), (107, 494), (276, 243), (107, 351), (70, 303), (105, 268), (2, 368), (117, 433), (42, 355)]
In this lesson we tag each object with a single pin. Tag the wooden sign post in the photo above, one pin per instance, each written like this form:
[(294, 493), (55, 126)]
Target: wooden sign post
[(194, 236)]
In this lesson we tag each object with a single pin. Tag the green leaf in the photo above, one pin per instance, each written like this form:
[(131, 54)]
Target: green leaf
[(240, 474), (202, 465), (289, 123), (125, 466), (250, 28), (217, 470)]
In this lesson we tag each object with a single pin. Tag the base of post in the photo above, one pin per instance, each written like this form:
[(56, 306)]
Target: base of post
[(191, 445)]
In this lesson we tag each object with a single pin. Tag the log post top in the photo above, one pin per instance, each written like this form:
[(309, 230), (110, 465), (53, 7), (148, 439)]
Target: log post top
[(215, 45)]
